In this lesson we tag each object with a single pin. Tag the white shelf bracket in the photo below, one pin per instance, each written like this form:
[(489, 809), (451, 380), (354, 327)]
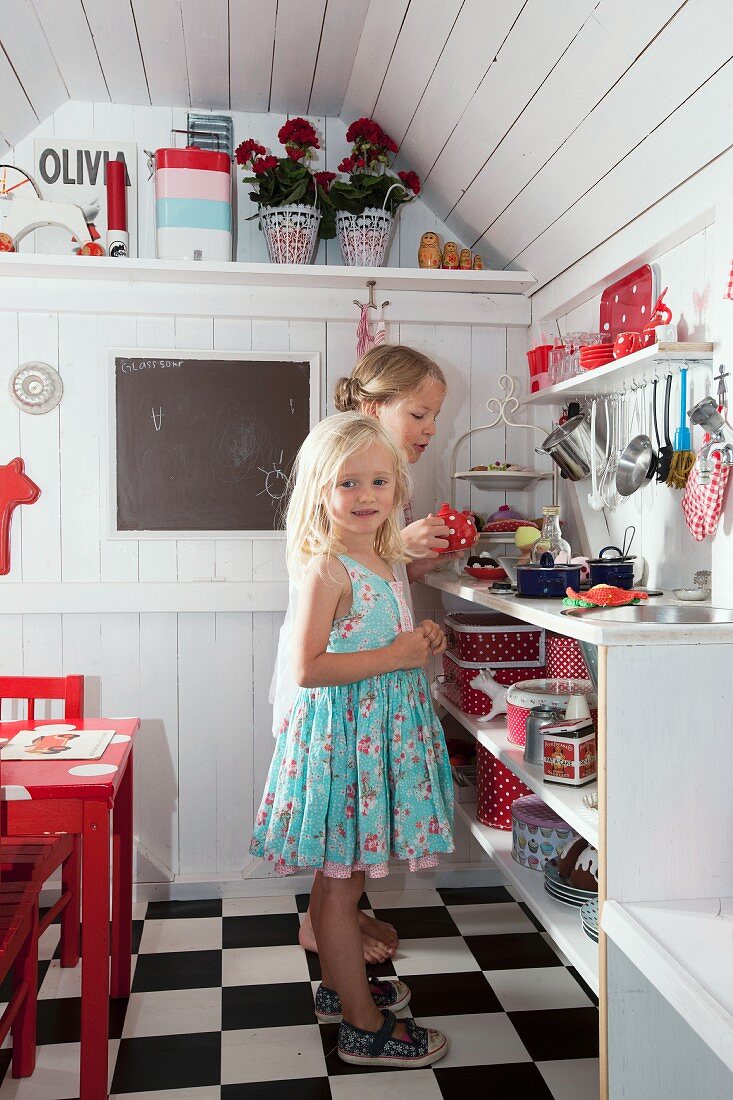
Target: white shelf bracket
[(503, 408)]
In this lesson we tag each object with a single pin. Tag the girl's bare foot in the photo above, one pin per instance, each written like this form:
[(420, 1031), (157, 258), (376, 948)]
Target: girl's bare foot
[(379, 938)]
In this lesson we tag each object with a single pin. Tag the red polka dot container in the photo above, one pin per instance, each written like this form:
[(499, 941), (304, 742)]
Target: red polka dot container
[(538, 834), (564, 658), (534, 693), (496, 789), (455, 683), (495, 639)]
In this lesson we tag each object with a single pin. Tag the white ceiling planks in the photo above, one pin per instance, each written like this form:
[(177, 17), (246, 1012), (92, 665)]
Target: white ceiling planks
[(378, 37), (544, 29), (206, 34), (160, 32), (474, 40), (17, 117), (67, 31), (342, 28), (115, 37), (686, 142), (596, 59), (678, 62), (297, 38), (251, 44), (420, 43), (24, 41)]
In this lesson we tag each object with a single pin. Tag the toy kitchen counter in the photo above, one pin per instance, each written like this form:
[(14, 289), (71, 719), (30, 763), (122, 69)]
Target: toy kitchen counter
[(659, 621)]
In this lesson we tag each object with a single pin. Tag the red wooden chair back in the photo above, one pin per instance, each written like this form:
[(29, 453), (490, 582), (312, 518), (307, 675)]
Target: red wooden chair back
[(33, 688)]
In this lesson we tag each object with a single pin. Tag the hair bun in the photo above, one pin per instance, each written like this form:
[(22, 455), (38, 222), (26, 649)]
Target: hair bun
[(344, 396)]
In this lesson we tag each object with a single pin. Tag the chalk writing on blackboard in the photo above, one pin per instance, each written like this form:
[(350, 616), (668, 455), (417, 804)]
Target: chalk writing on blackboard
[(276, 482), (204, 442)]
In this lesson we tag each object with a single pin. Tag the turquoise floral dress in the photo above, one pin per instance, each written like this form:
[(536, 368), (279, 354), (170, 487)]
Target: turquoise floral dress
[(360, 771)]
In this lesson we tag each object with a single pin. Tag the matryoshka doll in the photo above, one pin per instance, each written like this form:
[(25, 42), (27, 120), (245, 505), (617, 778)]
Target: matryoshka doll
[(428, 254), (478, 263), (464, 260), (450, 255)]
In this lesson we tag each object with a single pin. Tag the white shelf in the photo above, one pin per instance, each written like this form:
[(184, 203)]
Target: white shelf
[(561, 921), (599, 630), (685, 949), (608, 378), (508, 480), (246, 274), (565, 801)]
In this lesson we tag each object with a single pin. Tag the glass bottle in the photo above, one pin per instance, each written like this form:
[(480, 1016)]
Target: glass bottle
[(551, 540)]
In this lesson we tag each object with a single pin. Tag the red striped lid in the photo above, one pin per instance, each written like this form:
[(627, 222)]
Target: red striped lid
[(193, 157)]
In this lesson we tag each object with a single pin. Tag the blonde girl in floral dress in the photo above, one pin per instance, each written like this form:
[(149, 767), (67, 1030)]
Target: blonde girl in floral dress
[(405, 390), (360, 771)]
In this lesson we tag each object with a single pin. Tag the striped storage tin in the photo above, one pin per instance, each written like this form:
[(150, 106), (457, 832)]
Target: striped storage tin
[(193, 204)]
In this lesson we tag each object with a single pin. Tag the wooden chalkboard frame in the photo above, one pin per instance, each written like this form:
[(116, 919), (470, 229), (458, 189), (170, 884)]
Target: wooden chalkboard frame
[(109, 453)]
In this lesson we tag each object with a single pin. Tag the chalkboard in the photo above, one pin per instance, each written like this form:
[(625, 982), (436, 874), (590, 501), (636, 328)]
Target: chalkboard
[(203, 442)]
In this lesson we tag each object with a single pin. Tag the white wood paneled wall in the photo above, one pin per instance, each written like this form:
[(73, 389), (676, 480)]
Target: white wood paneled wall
[(199, 680)]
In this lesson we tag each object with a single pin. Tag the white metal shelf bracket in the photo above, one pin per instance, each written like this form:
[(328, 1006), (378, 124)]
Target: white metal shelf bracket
[(503, 408)]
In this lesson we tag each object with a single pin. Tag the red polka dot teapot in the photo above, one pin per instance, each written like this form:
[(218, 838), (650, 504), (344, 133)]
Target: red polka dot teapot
[(463, 533)]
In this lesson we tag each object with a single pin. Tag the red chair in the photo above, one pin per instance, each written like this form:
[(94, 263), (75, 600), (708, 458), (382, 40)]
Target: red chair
[(19, 950), (34, 859)]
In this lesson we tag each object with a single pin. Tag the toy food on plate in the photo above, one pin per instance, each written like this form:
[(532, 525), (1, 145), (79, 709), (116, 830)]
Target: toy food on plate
[(506, 519), (498, 467), (484, 568)]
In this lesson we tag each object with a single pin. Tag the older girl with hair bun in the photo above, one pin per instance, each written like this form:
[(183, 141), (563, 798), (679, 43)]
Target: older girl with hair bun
[(404, 390)]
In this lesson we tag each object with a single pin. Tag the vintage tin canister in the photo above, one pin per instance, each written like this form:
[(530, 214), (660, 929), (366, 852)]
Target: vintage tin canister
[(538, 834), (193, 204), (570, 752)]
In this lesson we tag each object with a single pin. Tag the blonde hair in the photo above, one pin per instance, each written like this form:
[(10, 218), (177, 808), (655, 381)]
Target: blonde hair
[(385, 373), (315, 473)]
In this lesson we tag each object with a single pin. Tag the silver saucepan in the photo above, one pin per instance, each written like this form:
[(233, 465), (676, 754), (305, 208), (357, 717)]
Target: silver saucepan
[(571, 446)]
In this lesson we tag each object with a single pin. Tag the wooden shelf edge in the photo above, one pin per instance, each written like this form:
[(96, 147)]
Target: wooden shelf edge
[(603, 379), (562, 922), (132, 269), (666, 969)]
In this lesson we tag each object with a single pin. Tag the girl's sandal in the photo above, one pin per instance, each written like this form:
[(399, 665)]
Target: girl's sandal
[(422, 1047), (386, 994)]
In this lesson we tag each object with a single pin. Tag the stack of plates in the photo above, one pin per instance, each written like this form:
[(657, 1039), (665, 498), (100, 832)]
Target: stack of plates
[(589, 918), (562, 891), (596, 355)]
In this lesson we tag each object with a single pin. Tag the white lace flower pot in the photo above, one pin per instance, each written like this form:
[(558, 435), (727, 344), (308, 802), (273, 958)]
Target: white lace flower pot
[(364, 238), (291, 232)]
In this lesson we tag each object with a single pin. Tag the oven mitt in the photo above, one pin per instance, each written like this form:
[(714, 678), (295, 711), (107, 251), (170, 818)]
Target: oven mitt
[(703, 504)]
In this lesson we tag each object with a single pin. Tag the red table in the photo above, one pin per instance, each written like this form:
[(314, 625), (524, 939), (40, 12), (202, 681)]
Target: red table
[(53, 799)]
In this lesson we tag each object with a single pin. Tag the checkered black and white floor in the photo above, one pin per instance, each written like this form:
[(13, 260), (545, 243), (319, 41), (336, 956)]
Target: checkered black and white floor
[(222, 1006)]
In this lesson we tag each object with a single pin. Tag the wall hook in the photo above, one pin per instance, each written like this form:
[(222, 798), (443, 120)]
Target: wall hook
[(371, 304)]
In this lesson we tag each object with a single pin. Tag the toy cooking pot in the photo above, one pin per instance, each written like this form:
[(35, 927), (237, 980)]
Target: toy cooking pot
[(618, 571), (546, 579), (462, 525)]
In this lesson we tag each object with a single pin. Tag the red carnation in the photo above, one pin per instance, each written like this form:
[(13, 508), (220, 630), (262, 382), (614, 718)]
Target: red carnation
[(298, 131), (247, 150), (264, 164), (295, 152), (324, 179), (347, 165), (389, 144), (411, 180)]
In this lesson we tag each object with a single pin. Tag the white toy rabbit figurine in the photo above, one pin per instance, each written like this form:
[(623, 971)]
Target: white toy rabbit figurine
[(485, 682)]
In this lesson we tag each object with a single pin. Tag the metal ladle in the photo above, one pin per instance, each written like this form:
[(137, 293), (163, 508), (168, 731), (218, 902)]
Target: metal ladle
[(635, 460)]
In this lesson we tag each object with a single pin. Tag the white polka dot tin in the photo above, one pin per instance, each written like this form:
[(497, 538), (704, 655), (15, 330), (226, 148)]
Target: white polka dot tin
[(458, 677), (496, 789), (495, 639), (564, 658), (537, 693), (538, 834)]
